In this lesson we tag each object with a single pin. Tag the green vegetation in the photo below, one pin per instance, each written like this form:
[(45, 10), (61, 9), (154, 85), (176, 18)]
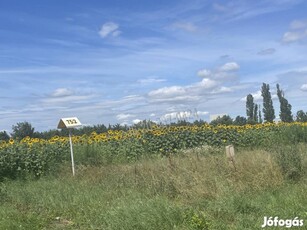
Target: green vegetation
[(22, 130), (164, 178), (37, 157), (301, 116), (252, 110), (268, 109), (196, 189), (285, 108), (30, 158)]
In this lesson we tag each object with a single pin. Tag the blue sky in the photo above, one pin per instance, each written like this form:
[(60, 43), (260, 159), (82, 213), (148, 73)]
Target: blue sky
[(124, 61)]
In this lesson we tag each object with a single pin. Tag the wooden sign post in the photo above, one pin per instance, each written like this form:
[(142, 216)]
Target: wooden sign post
[(230, 154), (69, 123)]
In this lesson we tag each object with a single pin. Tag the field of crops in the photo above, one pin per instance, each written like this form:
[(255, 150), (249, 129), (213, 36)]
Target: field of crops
[(38, 156)]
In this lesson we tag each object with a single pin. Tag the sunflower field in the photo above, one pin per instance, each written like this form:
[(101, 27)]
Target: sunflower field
[(36, 157)]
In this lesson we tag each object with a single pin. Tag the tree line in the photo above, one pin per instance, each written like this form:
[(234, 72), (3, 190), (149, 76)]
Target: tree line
[(285, 113), (255, 114)]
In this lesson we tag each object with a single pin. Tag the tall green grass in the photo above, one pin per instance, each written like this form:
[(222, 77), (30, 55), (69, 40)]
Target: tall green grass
[(195, 189)]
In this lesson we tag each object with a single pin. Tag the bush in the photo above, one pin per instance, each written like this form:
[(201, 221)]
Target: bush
[(290, 161)]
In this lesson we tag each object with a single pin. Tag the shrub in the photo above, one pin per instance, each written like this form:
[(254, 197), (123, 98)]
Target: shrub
[(290, 161)]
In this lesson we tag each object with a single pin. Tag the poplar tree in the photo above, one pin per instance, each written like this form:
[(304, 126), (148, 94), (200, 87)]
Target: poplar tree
[(255, 118), (285, 113), (268, 109), (250, 107)]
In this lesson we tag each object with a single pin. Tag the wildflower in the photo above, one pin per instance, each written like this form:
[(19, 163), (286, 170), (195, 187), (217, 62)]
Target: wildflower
[(11, 141)]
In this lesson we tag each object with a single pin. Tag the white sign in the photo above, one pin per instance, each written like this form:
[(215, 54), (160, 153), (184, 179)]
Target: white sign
[(69, 122)]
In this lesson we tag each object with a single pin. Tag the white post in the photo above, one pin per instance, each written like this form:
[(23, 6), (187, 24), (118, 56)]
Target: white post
[(71, 154), (230, 153)]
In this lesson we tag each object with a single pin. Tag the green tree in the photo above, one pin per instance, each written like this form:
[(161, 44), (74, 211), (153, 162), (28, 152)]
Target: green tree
[(268, 109), (255, 115), (285, 113), (22, 129), (250, 107), (301, 116), (199, 122), (4, 136), (224, 120), (240, 121)]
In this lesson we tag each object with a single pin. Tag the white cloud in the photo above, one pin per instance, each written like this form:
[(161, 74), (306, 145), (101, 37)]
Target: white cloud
[(207, 83), (109, 28), (297, 32), (62, 92), (67, 96), (168, 92), (298, 24), (225, 76), (123, 116), (210, 84), (202, 113), (257, 96), (223, 89), (225, 72), (186, 93), (274, 96), (135, 121), (293, 36), (132, 97), (304, 87), (204, 73), (230, 66), (150, 81)]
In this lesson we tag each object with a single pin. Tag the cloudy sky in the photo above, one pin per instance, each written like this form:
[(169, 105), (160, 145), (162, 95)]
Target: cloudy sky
[(121, 61)]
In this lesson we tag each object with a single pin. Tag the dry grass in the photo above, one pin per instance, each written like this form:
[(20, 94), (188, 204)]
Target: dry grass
[(192, 175)]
